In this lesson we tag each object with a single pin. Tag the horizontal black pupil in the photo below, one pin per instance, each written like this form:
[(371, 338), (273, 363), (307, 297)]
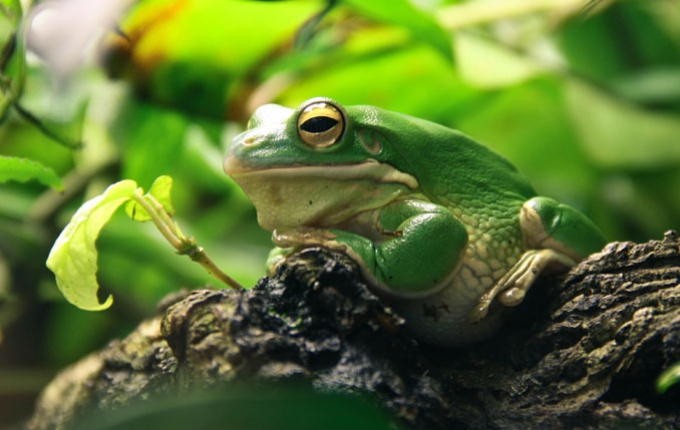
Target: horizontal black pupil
[(318, 124)]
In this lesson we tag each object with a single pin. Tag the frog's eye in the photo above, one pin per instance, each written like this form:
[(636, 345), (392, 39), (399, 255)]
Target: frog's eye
[(320, 125)]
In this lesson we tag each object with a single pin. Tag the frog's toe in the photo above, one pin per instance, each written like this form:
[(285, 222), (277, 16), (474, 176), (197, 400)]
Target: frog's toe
[(478, 313), (512, 297)]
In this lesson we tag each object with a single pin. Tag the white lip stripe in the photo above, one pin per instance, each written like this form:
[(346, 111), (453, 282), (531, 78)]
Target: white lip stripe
[(371, 169)]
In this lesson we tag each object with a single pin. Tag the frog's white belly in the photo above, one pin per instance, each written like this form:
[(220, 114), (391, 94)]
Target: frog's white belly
[(443, 319)]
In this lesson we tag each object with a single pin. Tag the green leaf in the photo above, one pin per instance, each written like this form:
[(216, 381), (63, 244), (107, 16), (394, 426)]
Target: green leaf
[(23, 169), (267, 406), (487, 64), (626, 37), (11, 9), (73, 257), (160, 190), (592, 49), (659, 85), (618, 134), (668, 378), (404, 14), (434, 92)]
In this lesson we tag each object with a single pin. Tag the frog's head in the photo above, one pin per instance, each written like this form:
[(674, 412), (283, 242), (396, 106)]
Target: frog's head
[(316, 165)]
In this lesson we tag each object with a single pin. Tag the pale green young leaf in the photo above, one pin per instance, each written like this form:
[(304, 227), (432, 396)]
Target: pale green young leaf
[(160, 190), (73, 257), (23, 169)]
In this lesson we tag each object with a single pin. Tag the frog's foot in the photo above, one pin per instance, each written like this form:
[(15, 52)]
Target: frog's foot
[(512, 287), (306, 236), (289, 240)]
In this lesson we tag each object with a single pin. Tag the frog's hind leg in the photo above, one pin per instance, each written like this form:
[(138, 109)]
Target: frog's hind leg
[(557, 236), (512, 287)]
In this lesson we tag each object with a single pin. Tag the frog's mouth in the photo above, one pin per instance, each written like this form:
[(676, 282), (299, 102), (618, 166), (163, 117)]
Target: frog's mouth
[(318, 196)]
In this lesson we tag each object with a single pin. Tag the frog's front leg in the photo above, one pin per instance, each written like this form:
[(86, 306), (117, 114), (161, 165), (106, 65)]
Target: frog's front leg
[(414, 251), (557, 237)]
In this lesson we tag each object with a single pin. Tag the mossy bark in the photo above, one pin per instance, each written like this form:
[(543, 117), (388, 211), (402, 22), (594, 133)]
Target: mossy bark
[(583, 351)]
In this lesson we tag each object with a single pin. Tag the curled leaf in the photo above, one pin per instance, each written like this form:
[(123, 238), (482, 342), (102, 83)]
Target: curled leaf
[(73, 257)]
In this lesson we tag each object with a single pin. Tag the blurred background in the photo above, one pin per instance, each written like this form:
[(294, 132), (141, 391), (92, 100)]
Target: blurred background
[(582, 96)]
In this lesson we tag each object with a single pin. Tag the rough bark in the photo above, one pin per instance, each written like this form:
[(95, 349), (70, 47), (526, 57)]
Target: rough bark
[(583, 351)]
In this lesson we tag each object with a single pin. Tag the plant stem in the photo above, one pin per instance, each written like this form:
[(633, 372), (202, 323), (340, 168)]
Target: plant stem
[(183, 245), (165, 216), (45, 129), (198, 254), (160, 224)]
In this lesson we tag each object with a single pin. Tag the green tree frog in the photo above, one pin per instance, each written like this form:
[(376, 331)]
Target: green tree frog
[(441, 226)]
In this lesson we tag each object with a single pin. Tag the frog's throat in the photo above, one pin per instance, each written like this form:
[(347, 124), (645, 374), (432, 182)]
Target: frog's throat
[(367, 170), (322, 196)]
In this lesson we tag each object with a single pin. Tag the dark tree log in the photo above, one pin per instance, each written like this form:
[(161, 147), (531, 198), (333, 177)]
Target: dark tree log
[(583, 351)]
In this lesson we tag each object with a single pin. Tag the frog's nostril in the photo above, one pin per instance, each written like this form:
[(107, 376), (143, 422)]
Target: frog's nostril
[(251, 139)]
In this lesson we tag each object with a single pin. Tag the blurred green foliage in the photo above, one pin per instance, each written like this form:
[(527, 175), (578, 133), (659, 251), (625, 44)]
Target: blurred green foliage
[(243, 407), (583, 96)]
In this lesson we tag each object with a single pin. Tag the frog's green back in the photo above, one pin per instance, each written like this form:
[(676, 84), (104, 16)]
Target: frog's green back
[(449, 165)]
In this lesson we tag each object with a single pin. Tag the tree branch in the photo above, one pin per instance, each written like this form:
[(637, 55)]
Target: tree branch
[(583, 351)]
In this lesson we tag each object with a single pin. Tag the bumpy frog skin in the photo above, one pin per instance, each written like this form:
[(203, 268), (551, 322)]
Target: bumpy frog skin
[(445, 229)]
